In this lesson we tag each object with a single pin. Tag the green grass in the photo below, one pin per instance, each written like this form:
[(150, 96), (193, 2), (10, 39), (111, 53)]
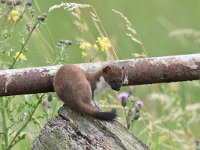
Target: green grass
[(170, 113)]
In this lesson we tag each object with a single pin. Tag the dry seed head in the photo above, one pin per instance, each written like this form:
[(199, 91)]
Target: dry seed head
[(69, 6)]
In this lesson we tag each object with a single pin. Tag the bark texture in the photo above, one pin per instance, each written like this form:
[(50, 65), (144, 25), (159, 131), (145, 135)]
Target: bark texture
[(137, 71), (72, 131)]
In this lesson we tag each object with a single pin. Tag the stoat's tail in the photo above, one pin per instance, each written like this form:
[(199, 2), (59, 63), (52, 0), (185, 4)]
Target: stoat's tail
[(108, 116), (94, 112)]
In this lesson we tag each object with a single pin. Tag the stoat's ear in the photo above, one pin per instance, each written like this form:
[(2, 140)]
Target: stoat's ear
[(106, 70)]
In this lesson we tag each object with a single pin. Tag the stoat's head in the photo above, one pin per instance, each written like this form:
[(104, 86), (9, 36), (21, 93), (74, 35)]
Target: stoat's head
[(113, 75)]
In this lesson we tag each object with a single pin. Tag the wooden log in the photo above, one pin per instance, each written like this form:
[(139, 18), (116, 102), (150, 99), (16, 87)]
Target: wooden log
[(72, 131)]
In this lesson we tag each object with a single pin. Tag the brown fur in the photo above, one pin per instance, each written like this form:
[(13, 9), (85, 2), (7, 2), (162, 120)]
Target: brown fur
[(75, 87)]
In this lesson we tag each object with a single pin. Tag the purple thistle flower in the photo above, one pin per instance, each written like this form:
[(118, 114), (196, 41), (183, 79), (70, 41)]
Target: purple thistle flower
[(138, 104), (136, 116), (123, 95)]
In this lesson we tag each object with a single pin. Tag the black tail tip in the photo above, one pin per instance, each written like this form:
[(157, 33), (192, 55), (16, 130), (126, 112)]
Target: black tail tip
[(107, 116)]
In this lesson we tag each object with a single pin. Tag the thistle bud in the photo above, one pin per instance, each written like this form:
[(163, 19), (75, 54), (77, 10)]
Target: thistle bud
[(123, 102), (32, 12), (28, 2), (136, 116), (49, 97), (9, 2), (42, 17), (17, 2), (3, 1), (137, 110), (64, 43)]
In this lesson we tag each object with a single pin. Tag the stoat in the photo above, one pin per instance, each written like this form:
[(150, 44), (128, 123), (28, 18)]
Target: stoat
[(77, 88)]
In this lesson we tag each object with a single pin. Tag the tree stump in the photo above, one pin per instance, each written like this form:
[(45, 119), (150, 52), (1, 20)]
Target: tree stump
[(72, 131)]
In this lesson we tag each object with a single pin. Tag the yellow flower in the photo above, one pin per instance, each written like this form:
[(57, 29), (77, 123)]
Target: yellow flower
[(21, 56), (104, 43), (95, 46), (84, 54), (13, 15), (85, 45)]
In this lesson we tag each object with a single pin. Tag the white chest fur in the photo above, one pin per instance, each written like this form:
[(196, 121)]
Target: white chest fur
[(101, 86)]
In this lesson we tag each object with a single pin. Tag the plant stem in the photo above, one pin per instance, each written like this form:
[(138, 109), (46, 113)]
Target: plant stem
[(14, 141), (101, 25), (91, 59), (23, 46), (52, 40), (5, 128), (4, 19), (126, 117)]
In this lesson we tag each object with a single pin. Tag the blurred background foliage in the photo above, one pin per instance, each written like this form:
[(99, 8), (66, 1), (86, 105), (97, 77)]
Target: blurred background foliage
[(170, 117)]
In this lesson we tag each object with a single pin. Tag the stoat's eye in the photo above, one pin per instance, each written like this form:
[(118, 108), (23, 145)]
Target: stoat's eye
[(112, 81)]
